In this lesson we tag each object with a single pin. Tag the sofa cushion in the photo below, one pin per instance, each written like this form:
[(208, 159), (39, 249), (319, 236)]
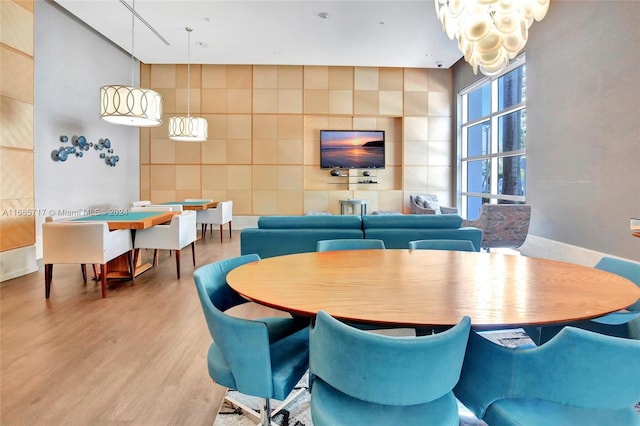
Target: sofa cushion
[(310, 222), (412, 221), (277, 242)]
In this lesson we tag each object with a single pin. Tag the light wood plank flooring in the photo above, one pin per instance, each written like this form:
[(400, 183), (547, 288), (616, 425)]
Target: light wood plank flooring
[(137, 357)]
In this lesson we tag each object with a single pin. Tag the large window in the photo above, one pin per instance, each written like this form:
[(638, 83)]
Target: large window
[(492, 141)]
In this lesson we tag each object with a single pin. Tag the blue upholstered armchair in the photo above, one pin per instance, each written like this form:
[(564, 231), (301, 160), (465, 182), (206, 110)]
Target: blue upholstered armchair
[(263, 358), (362, 378), (577, 378)]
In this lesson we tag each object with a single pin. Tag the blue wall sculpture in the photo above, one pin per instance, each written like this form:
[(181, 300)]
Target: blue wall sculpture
[(79, 145)]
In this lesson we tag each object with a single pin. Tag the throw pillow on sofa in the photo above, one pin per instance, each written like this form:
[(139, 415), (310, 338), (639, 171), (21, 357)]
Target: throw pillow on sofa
[(428, 202)]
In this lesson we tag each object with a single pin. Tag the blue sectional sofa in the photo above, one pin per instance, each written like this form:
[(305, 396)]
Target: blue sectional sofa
[(279, 235)]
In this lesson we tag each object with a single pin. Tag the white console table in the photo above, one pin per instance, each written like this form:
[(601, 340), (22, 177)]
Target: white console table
[(354, 203)]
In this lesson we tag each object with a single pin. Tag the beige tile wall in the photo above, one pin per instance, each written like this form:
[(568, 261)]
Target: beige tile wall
[(17, 220), (264, 129)]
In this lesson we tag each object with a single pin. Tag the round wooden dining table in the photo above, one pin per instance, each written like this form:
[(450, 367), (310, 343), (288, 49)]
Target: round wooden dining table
[(433, 287)]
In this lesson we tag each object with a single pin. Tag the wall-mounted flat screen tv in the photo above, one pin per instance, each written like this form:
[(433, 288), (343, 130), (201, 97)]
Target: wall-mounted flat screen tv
[(352, 149)]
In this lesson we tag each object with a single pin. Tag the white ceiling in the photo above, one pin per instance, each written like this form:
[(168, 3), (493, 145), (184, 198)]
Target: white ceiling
[(355, 33)]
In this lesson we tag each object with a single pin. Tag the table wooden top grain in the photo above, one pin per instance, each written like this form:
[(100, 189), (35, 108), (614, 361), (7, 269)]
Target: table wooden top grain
[(131, 220), (433, 287), (194, 205)]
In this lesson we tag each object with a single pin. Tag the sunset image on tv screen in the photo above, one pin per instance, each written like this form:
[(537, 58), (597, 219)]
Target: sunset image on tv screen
[(352, 149)]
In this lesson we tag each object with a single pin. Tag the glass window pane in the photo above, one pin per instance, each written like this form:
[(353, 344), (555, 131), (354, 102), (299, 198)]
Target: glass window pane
[(512, 131), (478, 176), (512, 175), (511, 88), (473, 206), (479, 102), (478, 138), (493, 146)]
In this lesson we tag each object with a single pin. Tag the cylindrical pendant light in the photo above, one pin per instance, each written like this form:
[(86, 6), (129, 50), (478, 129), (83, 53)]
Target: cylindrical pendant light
[(130, 105), (188, 129)]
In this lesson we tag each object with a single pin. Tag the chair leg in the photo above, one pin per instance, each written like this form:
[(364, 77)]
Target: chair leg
[(95, 271), (48, 275), (193, 252), (83, 268), (221, 234), (203, 230), (265, 412), (155, 257), (265, 406), (132, 259), (178, 263), (292, 396), (229, 229), (103, 279)]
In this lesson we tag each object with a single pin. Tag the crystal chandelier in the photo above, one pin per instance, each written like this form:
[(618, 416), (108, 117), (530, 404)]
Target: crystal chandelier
[(130, 105), (489, 32), (188, 129)]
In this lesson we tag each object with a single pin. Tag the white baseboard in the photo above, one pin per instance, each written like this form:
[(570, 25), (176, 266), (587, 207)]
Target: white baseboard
[(550, 249), (17, 262), (241, 222)]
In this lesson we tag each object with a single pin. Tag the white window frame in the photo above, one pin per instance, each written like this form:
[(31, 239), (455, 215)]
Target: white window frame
[(493, 156)]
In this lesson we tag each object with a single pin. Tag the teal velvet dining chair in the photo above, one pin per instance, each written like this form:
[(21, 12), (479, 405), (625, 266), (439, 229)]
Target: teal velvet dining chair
[(362, 378), (349, 244), (625, 323), (577, 378), (264, 358), (456, 245)]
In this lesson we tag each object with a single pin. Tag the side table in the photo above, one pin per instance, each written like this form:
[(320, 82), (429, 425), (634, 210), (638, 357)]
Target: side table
[(354, 203)]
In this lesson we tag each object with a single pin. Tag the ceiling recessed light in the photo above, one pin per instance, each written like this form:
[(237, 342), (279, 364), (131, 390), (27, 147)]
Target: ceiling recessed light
[(323, 15)]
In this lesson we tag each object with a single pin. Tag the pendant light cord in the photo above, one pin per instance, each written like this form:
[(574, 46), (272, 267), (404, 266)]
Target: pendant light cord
[(133, 22), (188, 69)]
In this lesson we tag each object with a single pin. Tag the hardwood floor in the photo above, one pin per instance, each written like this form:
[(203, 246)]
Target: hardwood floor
[(138, 357)]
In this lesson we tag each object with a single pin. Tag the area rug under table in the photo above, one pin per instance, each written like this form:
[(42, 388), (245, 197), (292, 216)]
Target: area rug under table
[(298, 412)]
